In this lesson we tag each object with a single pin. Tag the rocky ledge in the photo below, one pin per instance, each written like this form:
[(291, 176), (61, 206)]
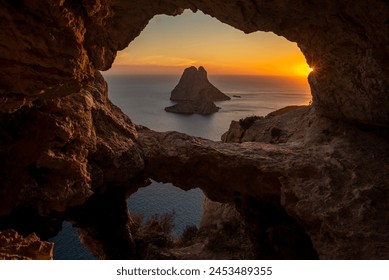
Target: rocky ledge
[(195, 94), (16, 247), (316, 179)]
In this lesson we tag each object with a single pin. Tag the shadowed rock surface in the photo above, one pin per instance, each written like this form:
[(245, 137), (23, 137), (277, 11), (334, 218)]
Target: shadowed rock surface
[(221, 236), (195, 94), (78, 143), (300, 175), (321, 172), (16, 247)]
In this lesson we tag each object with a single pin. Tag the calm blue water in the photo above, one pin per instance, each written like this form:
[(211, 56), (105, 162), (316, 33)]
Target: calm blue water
[(144, 98), (164, 198)]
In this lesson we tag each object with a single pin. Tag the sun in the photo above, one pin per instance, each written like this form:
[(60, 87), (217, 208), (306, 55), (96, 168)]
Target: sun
[(302, 69)]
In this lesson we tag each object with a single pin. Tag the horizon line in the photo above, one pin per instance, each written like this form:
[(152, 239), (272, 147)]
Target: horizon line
[(106, 73)]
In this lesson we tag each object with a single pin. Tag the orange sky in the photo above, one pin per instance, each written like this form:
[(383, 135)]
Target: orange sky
[(170, 44)]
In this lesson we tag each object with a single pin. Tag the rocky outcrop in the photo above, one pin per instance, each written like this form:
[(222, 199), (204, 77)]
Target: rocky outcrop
[(321, 180), (60, 153), (224, 232), (77, 143), (193, 107), (221, 236), (195, 94), (62, 142), (16, 247), (257, 164), (194, 85), (277, 127)]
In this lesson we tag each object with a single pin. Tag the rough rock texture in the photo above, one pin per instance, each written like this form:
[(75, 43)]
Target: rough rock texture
[(223, 228), (323, 177), (61, 140), (221, 236), (78, 143), (104, 225), (350, 211), (59, 153), (195, 94), (193, 107), (277, 127), (235, 169), (16, 247)]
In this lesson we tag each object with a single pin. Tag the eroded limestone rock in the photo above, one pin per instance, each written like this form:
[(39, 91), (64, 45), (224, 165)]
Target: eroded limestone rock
[(327, 183), (16, 247), (58, 151)]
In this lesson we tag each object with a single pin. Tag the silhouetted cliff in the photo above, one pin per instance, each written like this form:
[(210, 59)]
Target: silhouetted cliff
[(195, 94)]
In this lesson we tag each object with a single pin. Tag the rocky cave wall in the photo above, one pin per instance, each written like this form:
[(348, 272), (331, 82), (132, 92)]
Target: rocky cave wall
[(53, 47), (62, 140)]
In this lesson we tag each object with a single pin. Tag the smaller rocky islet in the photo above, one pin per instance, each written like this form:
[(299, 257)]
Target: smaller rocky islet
[(195, 94)]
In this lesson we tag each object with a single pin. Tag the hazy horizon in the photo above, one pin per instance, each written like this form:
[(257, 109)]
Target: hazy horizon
[(123, 73)]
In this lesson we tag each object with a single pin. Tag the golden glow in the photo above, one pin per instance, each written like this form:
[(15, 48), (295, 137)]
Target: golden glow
[(311, 69), (170, 44)]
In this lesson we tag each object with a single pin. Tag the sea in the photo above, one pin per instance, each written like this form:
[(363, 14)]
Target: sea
[(144, 97)]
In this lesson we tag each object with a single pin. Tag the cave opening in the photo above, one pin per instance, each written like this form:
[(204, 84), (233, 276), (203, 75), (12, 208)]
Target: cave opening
[(261, 72), (209, 127), (145, 73)]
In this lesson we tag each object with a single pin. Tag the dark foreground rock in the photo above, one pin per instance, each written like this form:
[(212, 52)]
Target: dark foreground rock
[(319, 177), (16, 247)]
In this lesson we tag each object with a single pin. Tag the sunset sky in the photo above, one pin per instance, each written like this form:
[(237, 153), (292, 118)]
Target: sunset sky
[(170, 44)]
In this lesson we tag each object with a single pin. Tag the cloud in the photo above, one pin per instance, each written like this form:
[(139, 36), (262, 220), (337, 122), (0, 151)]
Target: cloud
[(161, 60)]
